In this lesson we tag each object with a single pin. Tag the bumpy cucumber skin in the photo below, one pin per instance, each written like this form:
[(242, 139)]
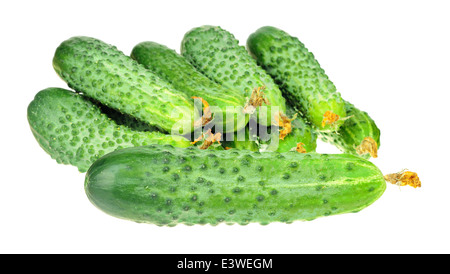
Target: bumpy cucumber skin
[(300, 77), (216, 53), (164, 185), (358, 126), (175, 69), (73, 130), (105, 74)]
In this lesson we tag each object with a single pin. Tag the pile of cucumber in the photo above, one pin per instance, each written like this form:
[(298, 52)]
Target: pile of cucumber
[(217, 133)]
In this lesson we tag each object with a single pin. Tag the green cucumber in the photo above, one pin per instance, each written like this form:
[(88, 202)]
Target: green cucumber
[(104, 73), (245, 138), (73, 130), (226, 104), (302, 134), (300, 77), (356, 129), (261, 138), (164, 185), (216, 53)]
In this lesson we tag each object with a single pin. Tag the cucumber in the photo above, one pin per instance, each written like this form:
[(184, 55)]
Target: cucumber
[(358, 129), (73, 130), (216, 53), (164, 185), (104, 73), (226, 104), (302, 135), (300, 77), (261, 138), (245, 138)]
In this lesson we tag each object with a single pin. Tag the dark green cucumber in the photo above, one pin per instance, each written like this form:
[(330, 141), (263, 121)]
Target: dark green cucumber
[(300, 77), (226, 104), (164, 185), (73, 130), (216, 53), (102, 72), (353, 132)]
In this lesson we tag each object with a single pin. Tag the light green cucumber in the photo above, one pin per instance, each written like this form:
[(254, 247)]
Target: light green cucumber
[(73, 130), (216, 53), (300, 77), (226, 104), (356, 130), (164, 185), (104, 73)]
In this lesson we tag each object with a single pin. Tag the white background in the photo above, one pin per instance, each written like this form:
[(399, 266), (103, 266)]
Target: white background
[(390, 58)]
